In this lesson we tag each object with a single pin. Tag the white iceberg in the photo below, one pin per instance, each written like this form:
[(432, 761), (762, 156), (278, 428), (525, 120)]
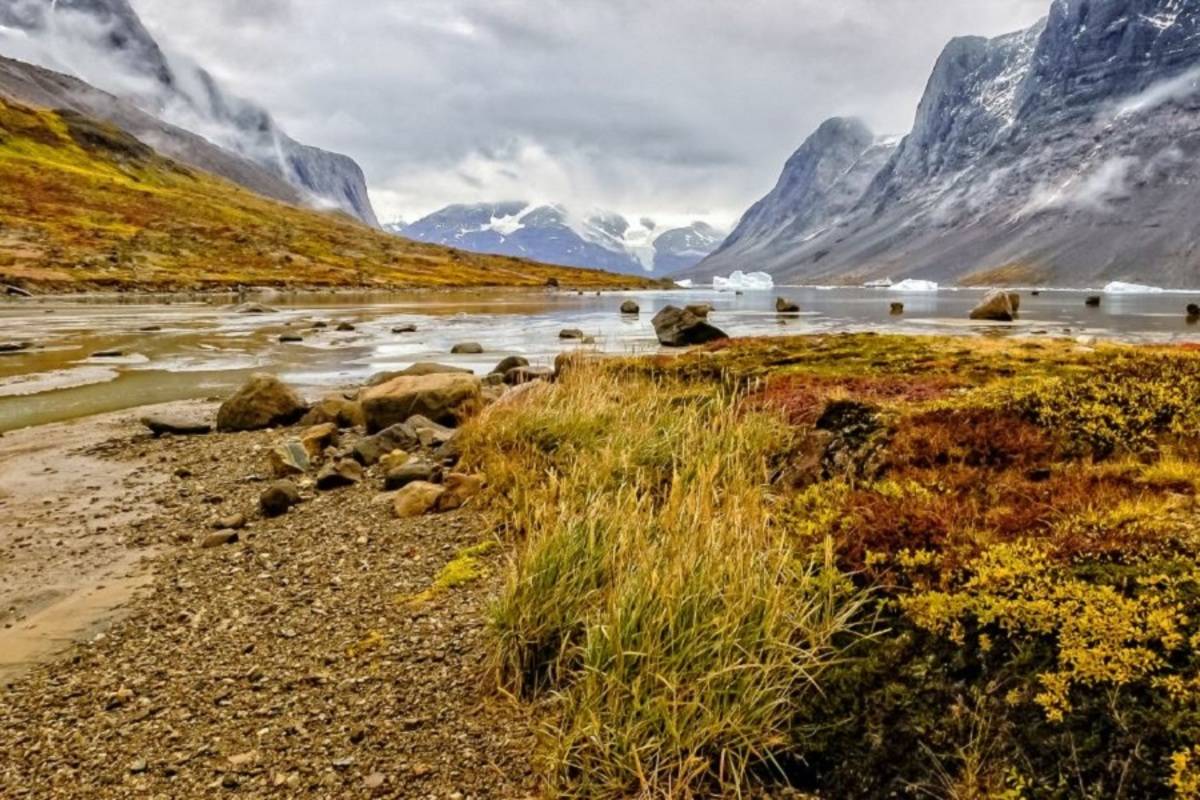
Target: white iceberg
[(881, 283), (913, 285), (744, 281), (686, 283), (1119, 287)]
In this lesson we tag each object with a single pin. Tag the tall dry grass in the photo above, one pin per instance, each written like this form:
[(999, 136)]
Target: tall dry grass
[(653, 596)]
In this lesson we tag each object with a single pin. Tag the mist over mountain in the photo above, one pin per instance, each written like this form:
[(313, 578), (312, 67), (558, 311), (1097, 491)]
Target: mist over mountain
[(1064, 154), (104, 43), (552, 234)]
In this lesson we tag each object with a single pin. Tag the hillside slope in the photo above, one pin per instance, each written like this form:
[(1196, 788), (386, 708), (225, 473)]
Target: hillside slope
[(84, 205)]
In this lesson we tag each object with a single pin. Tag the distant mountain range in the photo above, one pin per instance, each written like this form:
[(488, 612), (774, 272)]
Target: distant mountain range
[(174, 106), (1066, 154), (551, 234)]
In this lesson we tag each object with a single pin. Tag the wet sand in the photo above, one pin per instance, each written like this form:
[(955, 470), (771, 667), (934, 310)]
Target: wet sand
[(76, 519)]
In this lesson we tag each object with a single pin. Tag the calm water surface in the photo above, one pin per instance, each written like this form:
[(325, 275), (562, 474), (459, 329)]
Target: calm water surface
[(203, 349)]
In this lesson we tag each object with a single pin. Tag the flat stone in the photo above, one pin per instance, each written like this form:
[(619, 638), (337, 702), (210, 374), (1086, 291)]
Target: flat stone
[(345, 472), (218, 539), (163, 425)]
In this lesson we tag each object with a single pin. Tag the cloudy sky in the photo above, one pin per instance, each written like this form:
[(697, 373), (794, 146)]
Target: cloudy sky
[(673, 109)]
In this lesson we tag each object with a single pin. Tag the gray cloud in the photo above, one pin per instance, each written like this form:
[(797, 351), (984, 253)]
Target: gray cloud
[(671, 108)]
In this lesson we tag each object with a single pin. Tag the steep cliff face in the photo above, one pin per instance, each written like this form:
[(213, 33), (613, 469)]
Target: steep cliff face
[(123, 58), (1065, 154)]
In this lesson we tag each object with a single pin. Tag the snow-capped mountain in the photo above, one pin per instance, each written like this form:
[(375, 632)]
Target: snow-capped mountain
[(552, 234), (1064, 154), (104, 43)]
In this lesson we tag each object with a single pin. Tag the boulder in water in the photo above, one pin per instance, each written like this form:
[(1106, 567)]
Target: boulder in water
[(785, 306), (467, 348), (678, 327), (511, 362), (897, 309), (571, 333), (630, 307), (997, 306), (1092, 301)]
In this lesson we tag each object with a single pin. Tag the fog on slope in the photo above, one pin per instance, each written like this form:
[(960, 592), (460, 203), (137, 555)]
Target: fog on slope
[(104, 43)]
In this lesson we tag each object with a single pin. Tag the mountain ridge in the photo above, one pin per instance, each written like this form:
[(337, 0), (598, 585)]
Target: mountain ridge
[(553, 234), (1063, 154)]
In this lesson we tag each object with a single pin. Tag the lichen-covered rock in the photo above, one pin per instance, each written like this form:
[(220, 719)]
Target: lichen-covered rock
[(997, 306), (415, 499)]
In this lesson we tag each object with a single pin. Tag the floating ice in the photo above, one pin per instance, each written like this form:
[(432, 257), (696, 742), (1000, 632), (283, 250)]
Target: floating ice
[(913, 285), (686, 283), (747, 281), (1119, 287)]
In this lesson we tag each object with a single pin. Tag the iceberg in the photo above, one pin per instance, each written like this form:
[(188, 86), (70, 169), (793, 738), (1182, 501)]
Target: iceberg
[(882, 283), (913, 285), (686, 283), (744, 281), (1119, 287)]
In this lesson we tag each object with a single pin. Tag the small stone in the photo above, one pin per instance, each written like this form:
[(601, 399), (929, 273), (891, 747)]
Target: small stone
[(405, 329), (219, 539), (138, 766), (467, 348), (345, 472), (288, 459), (374, 780), (630, 307), (344, 327), (278, 498), (411, 472), (570, 333), (233, 522)]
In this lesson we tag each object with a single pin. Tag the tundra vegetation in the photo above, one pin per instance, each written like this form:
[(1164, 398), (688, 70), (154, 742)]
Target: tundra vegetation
[(85, 206), (858, 565)]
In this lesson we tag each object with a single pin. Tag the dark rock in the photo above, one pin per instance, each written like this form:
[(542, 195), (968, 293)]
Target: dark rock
[(13, 347), (519, 375), (150, 329), (1193, 312), (467, 348), (405, 329), (108, 354), (897, 309), (678, 327), (370, 449), (278, 498), (570, 333), (161, 425), (399, 477), (630, 307), (701, 310), (16, 291), (785, 306), (264, 401), (290, 338), (1093, 301), (511, 362), (345, 472), (429, 433), (552, 282), (344, 327)]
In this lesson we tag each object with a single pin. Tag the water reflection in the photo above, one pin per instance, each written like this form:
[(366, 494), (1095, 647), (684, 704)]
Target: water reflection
[(193, 349)]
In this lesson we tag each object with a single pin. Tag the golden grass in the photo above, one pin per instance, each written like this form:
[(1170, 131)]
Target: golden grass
[(84, 206)]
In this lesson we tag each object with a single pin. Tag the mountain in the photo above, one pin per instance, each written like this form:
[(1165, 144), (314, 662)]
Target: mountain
[(104, 43), (551, 234), (1065, 154), (85, 205)]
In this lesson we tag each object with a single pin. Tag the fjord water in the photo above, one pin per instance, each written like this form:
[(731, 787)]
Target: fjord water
[(189, 350)]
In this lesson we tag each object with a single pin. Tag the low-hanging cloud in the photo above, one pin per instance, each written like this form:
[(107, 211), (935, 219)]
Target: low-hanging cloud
[(674, 109)]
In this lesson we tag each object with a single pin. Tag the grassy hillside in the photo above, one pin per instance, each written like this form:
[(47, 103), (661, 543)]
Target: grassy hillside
[(864, 566), (84, 206)]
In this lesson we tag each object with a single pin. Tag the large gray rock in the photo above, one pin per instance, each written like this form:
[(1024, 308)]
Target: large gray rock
[(371, 449), (510, 362), (419, 368), (445, 398), (678, 327), (264, 401)]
